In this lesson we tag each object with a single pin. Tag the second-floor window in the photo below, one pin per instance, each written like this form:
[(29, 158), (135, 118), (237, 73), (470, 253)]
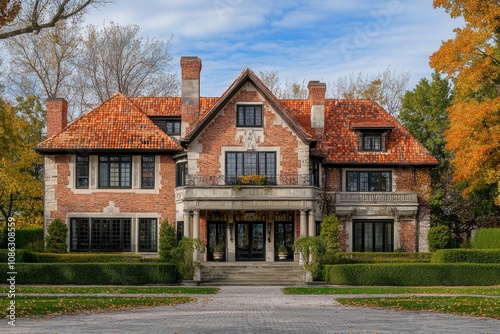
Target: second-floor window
[(250, 163), (249, 115), (115, 172), (369, 181), (180, 174), (82, 172), (148, 172)]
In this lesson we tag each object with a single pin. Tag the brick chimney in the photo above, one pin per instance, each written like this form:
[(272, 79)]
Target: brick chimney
[(57, 115), (190, 69), (317, 91)]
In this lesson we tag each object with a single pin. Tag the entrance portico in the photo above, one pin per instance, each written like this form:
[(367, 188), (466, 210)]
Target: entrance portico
[(250, 222)]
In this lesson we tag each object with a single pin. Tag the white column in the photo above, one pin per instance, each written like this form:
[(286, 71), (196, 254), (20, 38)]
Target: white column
[(312, 224), (196, 231), (187, 232), (303, 223)]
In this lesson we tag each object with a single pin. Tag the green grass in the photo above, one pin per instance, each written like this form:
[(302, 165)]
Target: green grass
[(112, 289), (30, 306), (490, 291), (470, 306)]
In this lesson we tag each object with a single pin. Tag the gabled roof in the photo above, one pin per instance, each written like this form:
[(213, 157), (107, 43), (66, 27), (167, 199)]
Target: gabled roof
[(169, 106), (117, 124), (339, 143), (246, 76)]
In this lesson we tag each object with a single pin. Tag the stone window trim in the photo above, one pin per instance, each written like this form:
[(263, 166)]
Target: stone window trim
[(82, 172)]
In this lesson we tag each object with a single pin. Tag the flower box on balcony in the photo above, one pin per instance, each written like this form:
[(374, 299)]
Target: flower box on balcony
[(258, 180)]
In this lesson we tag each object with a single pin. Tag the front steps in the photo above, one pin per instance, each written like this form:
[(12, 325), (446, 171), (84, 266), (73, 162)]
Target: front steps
[(252, 273)]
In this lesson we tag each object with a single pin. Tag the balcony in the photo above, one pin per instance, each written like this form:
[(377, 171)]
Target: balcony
[(283, 192), (393, 204)]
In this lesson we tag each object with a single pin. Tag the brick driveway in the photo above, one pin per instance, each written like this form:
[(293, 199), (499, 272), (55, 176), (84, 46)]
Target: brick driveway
[(238, 309)]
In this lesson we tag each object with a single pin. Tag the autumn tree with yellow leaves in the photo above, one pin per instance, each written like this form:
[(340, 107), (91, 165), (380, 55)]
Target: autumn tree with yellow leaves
[(472, 60)]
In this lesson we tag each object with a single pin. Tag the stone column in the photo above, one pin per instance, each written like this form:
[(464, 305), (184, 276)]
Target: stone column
[(312, 224), (187, 232), (303, 223), (196, 231)]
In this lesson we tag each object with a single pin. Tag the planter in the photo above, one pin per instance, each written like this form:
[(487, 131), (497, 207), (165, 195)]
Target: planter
[(218, 256), (282, 256)]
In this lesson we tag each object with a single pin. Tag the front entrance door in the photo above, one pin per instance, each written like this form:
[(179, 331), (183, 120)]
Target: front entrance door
[(216, 236), (283, 235), (250, 241)]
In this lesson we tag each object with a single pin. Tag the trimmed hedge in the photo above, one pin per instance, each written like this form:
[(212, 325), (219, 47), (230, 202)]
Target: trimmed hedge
[(466, 255), (376, 257), (413, 274), (26, 238), (86, 258), (22, 255), (486, 238), (94, 273)]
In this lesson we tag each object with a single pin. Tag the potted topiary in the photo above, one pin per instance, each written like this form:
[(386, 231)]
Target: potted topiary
[(218, 252), (282, 252)]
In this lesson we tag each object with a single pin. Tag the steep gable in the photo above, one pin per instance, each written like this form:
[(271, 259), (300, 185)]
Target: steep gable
[(116, 124)]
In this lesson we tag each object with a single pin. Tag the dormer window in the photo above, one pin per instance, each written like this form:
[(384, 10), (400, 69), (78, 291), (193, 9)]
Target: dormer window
[(372, 142), (372, 136), (170, 125), (249, 115)]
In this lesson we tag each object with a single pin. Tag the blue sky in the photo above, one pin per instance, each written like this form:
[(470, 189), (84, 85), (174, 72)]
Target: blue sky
[(302, 40)]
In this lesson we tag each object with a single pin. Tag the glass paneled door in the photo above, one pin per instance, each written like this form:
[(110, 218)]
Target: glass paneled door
[(250, 240), (216, 236), (283, 235)]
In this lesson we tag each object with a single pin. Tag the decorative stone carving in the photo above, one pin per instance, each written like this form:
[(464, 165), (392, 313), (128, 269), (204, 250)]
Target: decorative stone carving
[(250, 140)]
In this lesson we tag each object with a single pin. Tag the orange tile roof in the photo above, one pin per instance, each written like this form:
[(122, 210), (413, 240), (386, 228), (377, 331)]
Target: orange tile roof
[(170, 106), (118, 123), (339, 143)]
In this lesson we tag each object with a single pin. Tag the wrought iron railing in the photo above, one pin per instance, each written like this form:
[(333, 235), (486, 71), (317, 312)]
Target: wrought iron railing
[(376, 197), (225, 180)]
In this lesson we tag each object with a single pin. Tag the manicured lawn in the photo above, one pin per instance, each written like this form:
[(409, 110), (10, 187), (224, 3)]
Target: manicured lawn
[(465, 290), (471, 306), (114, 289), (29, 306)]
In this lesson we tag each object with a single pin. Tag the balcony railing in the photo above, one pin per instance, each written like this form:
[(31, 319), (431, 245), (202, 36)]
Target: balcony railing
[(376, 197), (225, 180)]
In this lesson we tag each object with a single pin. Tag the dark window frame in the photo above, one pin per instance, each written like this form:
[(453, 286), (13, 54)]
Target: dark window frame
[(122, 161), (148, 227), (364, 181), (181, 171), (262, 166), (244, 119), (372, 142), (315, 173), (170, 125), (82, 172), (360, 243), (148, 170), (101, 234)]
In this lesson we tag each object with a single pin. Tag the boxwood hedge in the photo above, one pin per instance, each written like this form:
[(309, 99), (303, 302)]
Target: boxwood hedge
[(413, 274), (466, 255), (375, 257), (94, 273), (23, 255)]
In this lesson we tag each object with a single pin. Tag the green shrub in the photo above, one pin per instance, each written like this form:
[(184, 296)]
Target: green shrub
[(56, 237), (311, 250), (30, 238), (330, 233), (466, 255), (486, 238), (183, 256), (168, 241), (86, 258), (94, 273), (22, 255), (438, 237), (413, 274), (376, 257)]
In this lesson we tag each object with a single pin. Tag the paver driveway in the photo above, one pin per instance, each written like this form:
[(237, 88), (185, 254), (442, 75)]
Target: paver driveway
[(238, 309)]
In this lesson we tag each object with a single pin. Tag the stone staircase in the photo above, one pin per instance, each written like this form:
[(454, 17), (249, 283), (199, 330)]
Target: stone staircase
[(252, 273)]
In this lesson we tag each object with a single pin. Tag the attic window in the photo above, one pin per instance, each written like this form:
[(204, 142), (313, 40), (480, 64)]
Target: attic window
[(171, 126), (249, 115), (372, 142)]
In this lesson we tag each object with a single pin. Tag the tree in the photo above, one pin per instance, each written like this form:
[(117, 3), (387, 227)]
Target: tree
[(21, 188), (19, 17), (424, 113), (472, 60), (386, 88), (115, 59), (56, 237), (168, 241), (288, 90), (44, 65)]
